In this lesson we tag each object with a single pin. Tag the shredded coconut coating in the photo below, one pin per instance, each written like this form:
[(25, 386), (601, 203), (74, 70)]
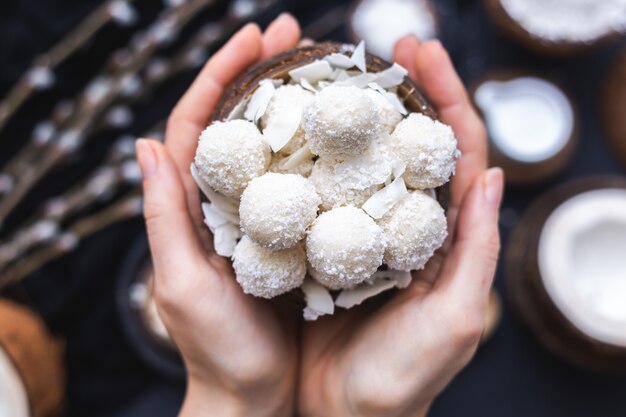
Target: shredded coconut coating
[(285, 97), (414, 228), (276, 209), (428, 148), (230, 154), (389, 115), (303, 167), (344, 247), (266, 274), (341, 122), (333, 191)]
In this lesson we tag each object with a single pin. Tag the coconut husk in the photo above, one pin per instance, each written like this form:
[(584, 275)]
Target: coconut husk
[(530, 298), (613, 105), (37, 356)]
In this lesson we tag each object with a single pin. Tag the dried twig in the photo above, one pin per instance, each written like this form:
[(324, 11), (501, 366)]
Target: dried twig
[(128, 207), (41, 74)]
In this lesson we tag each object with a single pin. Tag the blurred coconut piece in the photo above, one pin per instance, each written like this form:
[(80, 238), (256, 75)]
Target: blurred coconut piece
[(381, 23), (531, 124), (559, 27), (613, 105), (32, 376), (566, 272)]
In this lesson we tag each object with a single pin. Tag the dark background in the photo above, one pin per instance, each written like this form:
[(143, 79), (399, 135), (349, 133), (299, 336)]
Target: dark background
[(511, 375)]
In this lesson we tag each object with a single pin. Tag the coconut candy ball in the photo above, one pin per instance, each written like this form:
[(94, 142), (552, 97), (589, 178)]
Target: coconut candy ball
[(428, 148), (276, 209), (389, 116), (344, 247), (335, 192), (414, 228), (285, 97), (340, 122), (230, 154), (264, 273)]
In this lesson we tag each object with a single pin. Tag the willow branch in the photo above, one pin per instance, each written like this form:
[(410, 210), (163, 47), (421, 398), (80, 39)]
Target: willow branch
[(40, 76)]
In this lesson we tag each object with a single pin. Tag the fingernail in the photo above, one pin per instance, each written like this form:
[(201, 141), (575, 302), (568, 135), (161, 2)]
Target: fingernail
[(146, 158), (493, 186)]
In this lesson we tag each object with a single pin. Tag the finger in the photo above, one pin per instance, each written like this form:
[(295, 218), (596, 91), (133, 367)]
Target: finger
[(171, 232), (468, 271), (444, 88), (194, 109), (282, 34), (404, 53)]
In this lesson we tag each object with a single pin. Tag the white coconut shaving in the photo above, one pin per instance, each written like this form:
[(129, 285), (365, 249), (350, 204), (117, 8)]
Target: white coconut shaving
[(339, 61), (315, 71), (259, 101), (358, 57), (567, 20), (379, 282), (382, 201), (318, 300), (392, 76)]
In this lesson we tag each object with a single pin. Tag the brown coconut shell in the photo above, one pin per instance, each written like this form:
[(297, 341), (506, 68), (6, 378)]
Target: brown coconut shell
[(278, 67), (613, 107), (519, 172), (513, 30), (37, 356), (530, 298)]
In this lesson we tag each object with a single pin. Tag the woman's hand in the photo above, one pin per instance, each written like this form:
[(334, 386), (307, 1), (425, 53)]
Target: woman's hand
[(240, 356), (394, 360)]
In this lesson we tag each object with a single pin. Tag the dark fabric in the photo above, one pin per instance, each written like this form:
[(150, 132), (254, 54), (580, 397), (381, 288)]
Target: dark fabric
[(510, 376)]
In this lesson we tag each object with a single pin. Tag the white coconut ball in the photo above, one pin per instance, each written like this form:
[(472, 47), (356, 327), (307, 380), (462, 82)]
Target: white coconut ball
[(285, 98), (389, 115), (341, 122), (276, 209), (335, 191), (414, 228), (230, 154), (266, 274), (428, 148), (344, 247)]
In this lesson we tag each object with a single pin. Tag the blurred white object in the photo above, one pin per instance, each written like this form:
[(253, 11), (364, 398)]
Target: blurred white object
[(381, 23), (582, 263), (568, 20), (529, 119), (13, 399)]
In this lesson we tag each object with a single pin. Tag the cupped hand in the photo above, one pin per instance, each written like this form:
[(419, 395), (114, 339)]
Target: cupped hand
[(241, 357), (394, 360)]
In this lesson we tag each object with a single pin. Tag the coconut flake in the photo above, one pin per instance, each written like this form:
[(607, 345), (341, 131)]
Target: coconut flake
[(401, 278), (339, 61), (225, 204), (391, 97), (372, 167), (358, 57), (313, 72), (318, 300), (360, 81), (214, 217), (392, 76), (259, 101), (296, 158), (225, 239), (382, 201), (280, 130), (379, 282), (307, 85)]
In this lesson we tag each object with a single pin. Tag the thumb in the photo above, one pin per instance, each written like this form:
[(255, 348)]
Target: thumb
[(468, 271), (171, 233)]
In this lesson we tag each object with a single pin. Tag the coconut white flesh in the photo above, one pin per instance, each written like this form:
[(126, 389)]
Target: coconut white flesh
[(259, 101), (318, 300), (313, 72), (582, 262), (358, 57), (391, 98), (339, 61), (360, 81), (225, 239), (392, 76), (13, 398), (307, 85), (529, 119), (382, 201), (278, 133), (381, 281)]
